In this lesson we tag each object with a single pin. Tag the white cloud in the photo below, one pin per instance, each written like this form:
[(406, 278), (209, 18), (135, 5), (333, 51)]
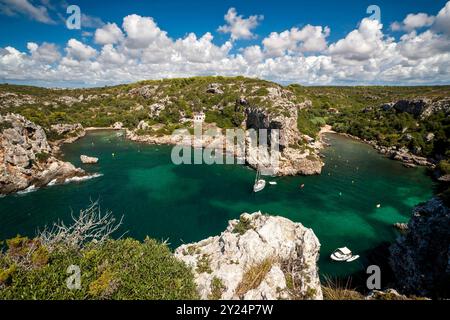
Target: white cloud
[(309, 39), (238, 26), (25, 7), (142, 32), (361, 44), (46, 53), (110, 55), (253, 54), (79, 51), (108, 34), (141, 50), (443, 20), (413, 22)]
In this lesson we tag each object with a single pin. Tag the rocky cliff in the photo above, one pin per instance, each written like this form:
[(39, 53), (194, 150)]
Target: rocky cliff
[(256, 257), (276, 109), (420, 258), (26, 159), (420, 107)]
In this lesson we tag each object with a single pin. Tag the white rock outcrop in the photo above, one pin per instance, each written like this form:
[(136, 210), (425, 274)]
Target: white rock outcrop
[(117, 125), (88, 160), (257, 257)]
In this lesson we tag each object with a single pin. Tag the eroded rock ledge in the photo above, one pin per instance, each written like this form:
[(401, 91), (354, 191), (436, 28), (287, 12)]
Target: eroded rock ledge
[(256, 257), (26, 158)]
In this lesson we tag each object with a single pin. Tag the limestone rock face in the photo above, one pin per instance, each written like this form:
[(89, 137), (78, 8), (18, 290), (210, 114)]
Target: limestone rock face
[(88, 160), (143, 125), (70, 132), (420, 258), (291, 159), (214, 88), (26, 157), (282, 254), (64, 128), (146, 91), (422, 107)]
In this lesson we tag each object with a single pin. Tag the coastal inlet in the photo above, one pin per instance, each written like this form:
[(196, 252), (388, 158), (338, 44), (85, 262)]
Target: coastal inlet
[(354, 202)]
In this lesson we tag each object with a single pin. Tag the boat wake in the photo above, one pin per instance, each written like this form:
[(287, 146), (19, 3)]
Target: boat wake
[(84, 178)]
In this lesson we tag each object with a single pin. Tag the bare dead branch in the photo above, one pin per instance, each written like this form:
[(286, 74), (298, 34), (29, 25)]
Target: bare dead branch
[(90, 226)]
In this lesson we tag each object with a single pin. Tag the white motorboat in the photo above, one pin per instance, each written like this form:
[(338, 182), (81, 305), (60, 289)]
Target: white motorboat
[(260, 184), (272, 183), (343, 254)]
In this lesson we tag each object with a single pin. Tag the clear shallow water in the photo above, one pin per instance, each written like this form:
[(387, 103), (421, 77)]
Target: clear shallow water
[(191, 202)]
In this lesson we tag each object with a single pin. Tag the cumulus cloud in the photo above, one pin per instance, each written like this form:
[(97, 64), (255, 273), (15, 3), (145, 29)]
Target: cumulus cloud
[(238, 26), (108, 34), (25, 7), (142, 31), (443, 20), (363, 43), (79, 51), (138, 49), (309, 39), (46, 52)]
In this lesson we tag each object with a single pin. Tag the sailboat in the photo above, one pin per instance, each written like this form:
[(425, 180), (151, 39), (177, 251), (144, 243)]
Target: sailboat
[(260, 184)]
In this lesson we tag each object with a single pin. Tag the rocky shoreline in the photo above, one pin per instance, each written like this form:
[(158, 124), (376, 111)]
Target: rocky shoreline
[(28, 161), (403, 155)]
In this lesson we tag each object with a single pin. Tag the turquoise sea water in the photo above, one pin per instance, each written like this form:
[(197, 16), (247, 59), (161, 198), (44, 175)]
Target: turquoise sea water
[(191, 202)]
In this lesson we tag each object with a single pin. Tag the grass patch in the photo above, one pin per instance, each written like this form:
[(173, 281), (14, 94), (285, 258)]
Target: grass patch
[(253, 277), (335, 289)]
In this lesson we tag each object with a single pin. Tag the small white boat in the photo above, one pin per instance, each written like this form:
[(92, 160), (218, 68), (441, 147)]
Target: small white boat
[(260, 184), (343, 254), (272, 183)]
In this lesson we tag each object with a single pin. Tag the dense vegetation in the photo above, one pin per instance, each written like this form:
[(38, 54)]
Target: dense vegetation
[(101, 107), (115, 269), (82, 261)]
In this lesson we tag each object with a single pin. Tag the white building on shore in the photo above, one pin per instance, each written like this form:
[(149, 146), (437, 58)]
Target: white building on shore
[(199, 117)]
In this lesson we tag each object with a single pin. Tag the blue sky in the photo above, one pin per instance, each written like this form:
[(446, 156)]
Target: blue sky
[(179, 17), (21, 25)]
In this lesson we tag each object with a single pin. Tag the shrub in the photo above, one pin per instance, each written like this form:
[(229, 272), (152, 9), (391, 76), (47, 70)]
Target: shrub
[(204, 264), (217, 289), (444, 166), (242, 226), (42, 156), (5, 125)]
